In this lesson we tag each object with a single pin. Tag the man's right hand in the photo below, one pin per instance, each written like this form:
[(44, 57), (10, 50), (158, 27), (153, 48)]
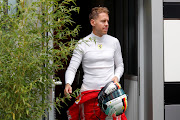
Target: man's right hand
[(68, 89)]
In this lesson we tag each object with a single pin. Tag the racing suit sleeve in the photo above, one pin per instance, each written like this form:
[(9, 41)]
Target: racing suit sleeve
[(118, 61), (74, 64)]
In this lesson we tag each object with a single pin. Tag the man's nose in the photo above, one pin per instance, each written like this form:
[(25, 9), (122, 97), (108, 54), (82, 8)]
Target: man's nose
[(106, 23)]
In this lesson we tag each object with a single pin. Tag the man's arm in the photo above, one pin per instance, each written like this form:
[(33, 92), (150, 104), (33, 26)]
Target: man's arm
[(118, 60), (72, 68)]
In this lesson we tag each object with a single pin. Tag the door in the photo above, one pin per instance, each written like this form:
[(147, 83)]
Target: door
[(122, 25)]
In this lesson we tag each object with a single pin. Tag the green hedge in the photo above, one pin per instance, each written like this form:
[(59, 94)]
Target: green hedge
[(29, 57)]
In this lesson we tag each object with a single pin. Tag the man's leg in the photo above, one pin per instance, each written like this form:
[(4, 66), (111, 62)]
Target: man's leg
[(91, 111), (73, 112)]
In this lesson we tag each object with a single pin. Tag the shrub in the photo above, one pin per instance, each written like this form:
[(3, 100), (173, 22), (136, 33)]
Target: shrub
[(29, 38)]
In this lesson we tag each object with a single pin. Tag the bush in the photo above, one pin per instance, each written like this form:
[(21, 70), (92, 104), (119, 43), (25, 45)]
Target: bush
[(29, 39)]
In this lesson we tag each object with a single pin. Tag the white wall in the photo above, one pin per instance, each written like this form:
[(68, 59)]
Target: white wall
[(171, 50), (171, 0)]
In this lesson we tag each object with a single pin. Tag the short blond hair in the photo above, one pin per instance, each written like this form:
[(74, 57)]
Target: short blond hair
[(96, 11)]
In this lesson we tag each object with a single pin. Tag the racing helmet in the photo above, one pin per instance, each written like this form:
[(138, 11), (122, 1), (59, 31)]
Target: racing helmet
[(112, 99)]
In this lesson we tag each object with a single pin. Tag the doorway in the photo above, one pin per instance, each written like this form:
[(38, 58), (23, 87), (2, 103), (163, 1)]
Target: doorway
[(123, 26)]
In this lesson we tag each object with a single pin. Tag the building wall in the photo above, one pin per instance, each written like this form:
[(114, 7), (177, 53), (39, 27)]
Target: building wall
[(151, 43), (171, 0), (147, 60), (157, 60)]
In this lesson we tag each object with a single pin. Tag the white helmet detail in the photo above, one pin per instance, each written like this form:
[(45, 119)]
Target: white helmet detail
[(112, 99)]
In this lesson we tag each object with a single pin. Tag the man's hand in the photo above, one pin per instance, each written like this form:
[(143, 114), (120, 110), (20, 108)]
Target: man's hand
[(68, 89), (115, 79)]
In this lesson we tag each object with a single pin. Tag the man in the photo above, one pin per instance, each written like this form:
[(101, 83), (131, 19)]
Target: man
[(102, 62)]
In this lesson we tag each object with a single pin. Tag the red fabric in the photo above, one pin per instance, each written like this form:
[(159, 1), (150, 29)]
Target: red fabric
[(86, 107)]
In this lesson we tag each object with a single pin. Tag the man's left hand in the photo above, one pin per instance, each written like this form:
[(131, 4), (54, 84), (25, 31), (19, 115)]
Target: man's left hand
[(115, 79)]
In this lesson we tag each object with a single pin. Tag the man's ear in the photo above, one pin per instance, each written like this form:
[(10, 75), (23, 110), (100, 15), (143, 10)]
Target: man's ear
[(92, 21)]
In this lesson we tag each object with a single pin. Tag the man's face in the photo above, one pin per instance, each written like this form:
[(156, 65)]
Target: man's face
[(100, 24)]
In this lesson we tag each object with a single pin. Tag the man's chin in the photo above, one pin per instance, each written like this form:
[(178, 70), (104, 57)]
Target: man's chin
[(104, 32)]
